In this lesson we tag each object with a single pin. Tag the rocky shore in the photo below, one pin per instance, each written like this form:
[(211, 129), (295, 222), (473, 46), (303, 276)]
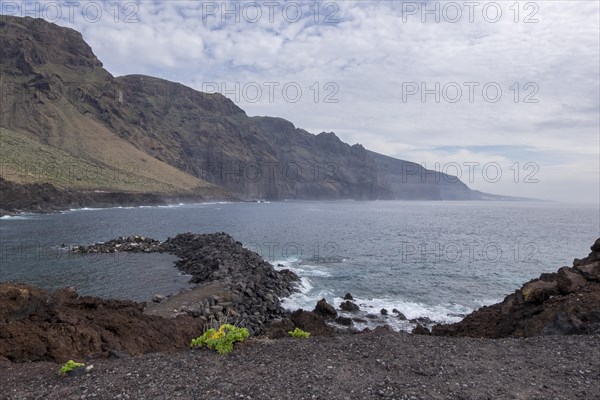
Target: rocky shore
[(566, 302), (250, 288), (36, 325), (546, 345), (16, 198)]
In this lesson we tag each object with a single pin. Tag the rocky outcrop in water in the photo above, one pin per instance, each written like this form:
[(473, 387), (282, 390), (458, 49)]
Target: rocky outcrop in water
[(37, 325), (131, 244), (250, 288), (562, 303)]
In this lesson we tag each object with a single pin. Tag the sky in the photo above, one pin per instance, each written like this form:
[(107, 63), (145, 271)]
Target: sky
[(505, 95)]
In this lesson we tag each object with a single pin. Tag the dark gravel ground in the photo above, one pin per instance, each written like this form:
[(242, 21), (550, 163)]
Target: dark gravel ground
[(364, 366)]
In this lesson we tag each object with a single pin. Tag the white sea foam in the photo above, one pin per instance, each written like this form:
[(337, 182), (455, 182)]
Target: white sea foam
[(441, 313), (446, 313), (308, 296), (303, 270), (14, 217), (288, 263)]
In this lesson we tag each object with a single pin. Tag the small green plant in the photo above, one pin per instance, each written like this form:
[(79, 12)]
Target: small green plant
[(299, 333), (221, 339), (69, 366)]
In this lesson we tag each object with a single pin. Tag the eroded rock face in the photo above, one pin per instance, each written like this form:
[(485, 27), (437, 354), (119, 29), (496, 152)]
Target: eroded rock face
[(38, 325), (562, 303)]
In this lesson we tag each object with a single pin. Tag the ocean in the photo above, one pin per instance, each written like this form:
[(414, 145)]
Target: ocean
[(439, 260)]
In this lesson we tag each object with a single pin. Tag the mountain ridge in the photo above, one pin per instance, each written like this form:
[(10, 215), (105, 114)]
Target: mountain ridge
[(179, 140)]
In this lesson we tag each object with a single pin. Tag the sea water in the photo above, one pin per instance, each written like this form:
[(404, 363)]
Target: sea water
[(439, 260)]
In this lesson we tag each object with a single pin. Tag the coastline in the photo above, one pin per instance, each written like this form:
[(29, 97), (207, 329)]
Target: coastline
[(236, 285), (45, 198), (142, 350)]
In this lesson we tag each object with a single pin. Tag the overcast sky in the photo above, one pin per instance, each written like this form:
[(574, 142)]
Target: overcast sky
[(362, 67)]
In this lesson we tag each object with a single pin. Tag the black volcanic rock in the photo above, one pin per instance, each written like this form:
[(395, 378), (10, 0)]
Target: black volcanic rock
[(251, 285), (563, 303), (349, 306), (325, 309)]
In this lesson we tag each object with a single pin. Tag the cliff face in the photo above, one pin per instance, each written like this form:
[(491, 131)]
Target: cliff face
[(176, 139), (410, 181), (56, 102)]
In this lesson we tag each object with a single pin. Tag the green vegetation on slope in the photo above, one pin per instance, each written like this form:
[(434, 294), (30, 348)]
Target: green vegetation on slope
[(26, 160)]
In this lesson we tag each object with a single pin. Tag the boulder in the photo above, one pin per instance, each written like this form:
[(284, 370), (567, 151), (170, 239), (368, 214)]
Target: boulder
[(563, 324), (325, 309), (348, 296), (349, 306), (539, 291), (590, 271), (158, 298), (569, 280), (420, 330), (421, 320), (311, 322), (279, 329), (344, 321)]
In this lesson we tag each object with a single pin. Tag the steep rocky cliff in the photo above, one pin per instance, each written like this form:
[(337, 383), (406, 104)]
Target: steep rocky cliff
[(173, 139)]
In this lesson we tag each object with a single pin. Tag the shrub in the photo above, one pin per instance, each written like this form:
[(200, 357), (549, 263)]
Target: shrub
[(299, 333), (69, 366), (221, 339)]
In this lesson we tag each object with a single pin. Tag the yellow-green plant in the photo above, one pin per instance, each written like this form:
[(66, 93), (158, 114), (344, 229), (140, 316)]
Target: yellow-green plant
[(299, 333), (221, 339), (69, 366)]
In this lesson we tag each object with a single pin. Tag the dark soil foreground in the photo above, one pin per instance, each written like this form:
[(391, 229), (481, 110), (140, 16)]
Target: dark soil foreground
[(374, 365)]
